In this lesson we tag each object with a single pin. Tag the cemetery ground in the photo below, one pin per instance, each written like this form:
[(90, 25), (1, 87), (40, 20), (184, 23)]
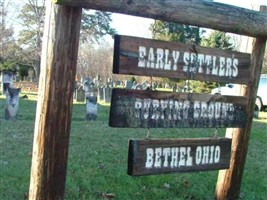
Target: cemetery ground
[(97, 162)]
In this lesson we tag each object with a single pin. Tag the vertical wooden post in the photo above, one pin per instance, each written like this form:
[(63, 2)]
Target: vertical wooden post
[(54, 107), (229, 181)]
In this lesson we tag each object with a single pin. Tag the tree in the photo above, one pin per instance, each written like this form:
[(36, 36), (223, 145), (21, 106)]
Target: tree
[(94, 61), (95, 25), (7, 42), (171, 31), (219, 40), (30, 37)]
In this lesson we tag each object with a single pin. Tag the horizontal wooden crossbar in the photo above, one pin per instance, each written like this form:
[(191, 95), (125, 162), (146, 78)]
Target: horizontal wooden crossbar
[(206, 14)]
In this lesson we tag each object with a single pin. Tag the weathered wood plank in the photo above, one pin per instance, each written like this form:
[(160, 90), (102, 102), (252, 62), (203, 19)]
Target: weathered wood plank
[(139, 56), (54, 106), (151, 109), (217, 16), (148, 157), (229, 181)]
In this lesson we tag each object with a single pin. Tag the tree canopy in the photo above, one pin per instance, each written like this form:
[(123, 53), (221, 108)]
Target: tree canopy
[(31, 16), (171, 31)]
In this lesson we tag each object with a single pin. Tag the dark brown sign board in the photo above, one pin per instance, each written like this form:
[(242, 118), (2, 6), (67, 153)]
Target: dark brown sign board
[(148, 157), (153, 109), (146, 57)]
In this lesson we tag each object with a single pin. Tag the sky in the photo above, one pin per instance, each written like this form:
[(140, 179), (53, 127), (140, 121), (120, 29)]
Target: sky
[(138, 26), (130, 25)]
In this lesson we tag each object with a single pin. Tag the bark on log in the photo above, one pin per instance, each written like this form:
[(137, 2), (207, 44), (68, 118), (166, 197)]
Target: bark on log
[(53, 115), (229, 181), (206, 14)]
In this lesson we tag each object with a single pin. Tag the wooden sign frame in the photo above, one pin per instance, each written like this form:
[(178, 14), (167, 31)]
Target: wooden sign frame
[(59, 63), (149, 157), (153, 109)]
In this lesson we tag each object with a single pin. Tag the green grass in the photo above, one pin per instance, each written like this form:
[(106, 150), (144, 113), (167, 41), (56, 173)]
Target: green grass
[(97, 161)]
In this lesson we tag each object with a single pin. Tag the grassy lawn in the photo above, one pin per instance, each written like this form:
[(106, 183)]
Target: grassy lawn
[(98, 160)]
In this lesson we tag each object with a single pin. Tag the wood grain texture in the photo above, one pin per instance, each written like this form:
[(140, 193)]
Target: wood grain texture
[(151, 109), (206, 14), (229, 181), (127, 61), (149, 157), (54, 106)]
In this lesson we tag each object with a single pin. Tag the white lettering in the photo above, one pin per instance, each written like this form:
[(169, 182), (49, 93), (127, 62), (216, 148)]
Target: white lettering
[(159, 63), (149, 157), (158, 154), (186, 61), (167, 64), (166, 59), (142, 54), (175, 55), (198, 155), (166, 154), (182, 156), (174, 157), (217, 155), (151, 59)]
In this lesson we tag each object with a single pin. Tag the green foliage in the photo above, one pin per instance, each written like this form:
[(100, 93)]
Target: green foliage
[(219, 40), (8, 66), (132, 79), (23, 71), (171, 31), (32, 16), (201, 87), (95, 25)]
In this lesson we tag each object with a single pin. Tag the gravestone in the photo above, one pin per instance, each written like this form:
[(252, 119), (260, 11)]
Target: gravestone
[(145, 85), (100, 93), (174, 88), (86, 86), (128, 84), (7, 80), (154, 86), (167, 86), (97, 80), (117, 83), (110, 83), (80, 94), (138, 87), (31, 74), (91, 108), (89, 88), (107, 91), (12, 103), (134, 84)]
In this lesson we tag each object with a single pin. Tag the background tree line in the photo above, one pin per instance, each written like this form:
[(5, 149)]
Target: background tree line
[(21, 46)]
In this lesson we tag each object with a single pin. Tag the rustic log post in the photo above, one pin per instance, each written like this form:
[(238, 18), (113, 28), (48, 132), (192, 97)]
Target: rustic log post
[(229, 181), (217, 16), (53, 114)]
